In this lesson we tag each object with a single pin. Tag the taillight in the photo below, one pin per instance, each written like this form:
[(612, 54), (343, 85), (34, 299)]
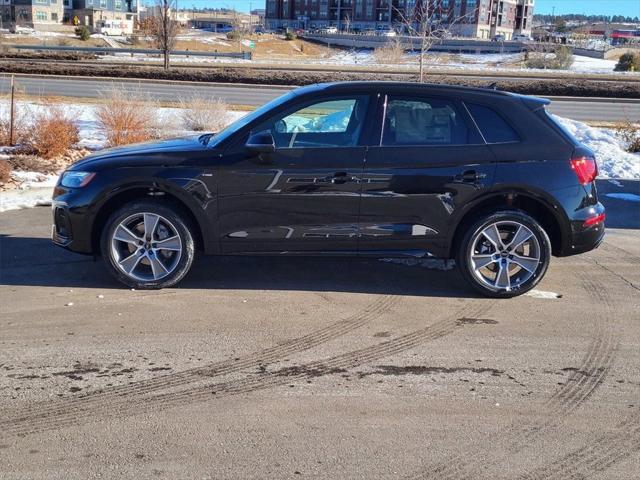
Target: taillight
[(594, 220), (585, 168)]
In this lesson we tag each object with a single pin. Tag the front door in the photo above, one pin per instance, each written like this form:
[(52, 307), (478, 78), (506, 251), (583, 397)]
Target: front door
[(304, 196), (429, 161)]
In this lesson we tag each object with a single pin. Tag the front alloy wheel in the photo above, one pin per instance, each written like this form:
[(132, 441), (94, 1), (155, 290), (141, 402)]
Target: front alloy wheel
[(505, 254), (147, 245)]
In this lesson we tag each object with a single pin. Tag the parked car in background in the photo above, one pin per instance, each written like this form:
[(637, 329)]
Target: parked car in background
[(499, 38), (522, 38), (331, 30), (368, 169)]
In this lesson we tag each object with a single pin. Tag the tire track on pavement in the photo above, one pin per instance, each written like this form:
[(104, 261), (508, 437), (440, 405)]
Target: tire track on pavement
[(254, 381), (580, 386), (264, 357), (595, 457)]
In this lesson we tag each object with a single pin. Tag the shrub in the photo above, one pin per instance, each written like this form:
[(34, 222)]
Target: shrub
[(628, 62), (204, 113), (20, 125), (564, 58), (53, 133), (629, 133), (390, 53), (233, 35), (126, 119), (561, 59), (5, 171), (289, 36), (83, 32)]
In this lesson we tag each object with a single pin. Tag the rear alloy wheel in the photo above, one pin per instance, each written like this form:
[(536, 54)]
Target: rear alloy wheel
[(147, 245), (505, 254)]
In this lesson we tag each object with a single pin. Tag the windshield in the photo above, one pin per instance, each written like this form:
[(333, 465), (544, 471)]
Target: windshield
[(247, 119)]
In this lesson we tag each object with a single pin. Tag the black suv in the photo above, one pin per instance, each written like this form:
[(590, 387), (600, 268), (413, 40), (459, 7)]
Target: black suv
[(369, 169)]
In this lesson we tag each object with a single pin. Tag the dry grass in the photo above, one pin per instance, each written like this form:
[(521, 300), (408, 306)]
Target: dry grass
[(54, 132), (629, 133), (20, 124), (201, 113), (126, 118), (5, 171), (390, 53)]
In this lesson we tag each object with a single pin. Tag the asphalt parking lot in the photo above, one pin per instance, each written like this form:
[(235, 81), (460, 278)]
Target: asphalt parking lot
[(323, 368)]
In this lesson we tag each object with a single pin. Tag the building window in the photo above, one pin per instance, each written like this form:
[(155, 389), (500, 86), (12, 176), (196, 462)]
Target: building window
[(42, 2), (118, 5), (42, 16), (54, 17), (103, 3)]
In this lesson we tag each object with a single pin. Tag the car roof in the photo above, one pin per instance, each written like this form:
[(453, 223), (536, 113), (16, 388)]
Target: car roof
[(414, 87)]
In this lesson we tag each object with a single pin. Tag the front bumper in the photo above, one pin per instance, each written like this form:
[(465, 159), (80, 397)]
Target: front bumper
[(72, 222)]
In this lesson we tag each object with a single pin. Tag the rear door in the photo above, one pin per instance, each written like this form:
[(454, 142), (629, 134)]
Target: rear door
[(429, 159)]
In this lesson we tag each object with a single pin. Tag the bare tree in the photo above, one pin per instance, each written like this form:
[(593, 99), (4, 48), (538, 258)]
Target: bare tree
[(164, 27), (430, 22)]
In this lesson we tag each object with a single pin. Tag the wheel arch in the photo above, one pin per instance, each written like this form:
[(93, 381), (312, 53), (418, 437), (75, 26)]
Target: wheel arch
[(145, 191), (542, 209)]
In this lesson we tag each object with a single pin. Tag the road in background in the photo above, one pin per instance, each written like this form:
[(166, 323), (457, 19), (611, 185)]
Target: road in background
[(585, 109)]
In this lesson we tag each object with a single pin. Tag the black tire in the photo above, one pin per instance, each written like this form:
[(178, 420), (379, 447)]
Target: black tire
[(473, 237), (170, 219)]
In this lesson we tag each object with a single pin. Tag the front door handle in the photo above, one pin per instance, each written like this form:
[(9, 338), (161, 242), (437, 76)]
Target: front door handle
[(470, 176)]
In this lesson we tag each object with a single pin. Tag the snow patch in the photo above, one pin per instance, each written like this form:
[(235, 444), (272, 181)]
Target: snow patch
[(613, 160), (542, 294)]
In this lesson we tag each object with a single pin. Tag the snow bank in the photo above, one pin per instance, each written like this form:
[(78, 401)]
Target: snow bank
[(613, 160)]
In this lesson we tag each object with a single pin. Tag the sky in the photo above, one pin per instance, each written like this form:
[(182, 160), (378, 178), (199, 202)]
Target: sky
[(590, 7)]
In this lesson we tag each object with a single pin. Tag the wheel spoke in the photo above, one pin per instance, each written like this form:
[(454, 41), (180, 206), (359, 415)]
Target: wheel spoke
[(502, 279), (131, 262), (123, 234), (493, 235), (150, 224), (522, 235), (158, 268), (171, 243), (528, 263), (481, 261)]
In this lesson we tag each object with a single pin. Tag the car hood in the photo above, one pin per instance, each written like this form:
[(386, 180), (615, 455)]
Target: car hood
[(164, 152)]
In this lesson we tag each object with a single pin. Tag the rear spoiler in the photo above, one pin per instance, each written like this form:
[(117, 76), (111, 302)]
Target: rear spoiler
[(534, 103)]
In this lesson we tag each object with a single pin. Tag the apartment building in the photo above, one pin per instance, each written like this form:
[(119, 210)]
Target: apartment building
[(95, 13), (30, 12), (469, 18), (49, 13)]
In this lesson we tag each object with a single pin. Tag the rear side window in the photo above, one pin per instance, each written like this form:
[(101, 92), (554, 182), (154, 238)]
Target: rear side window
[(494, 128), (411, 121)]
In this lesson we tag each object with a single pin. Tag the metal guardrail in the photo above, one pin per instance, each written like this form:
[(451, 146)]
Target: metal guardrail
[(147, 51)]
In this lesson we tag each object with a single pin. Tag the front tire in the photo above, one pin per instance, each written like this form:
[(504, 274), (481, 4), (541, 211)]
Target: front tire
[(504, 254), (147, 245)]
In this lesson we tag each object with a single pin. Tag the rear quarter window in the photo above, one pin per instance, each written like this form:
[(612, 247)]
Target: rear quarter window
[(492, 125)]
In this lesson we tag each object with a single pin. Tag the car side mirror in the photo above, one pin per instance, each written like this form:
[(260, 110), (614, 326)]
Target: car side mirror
[(261, 142)]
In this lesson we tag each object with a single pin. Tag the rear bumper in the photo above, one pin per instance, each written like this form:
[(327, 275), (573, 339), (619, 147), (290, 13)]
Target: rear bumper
[(583, 239)]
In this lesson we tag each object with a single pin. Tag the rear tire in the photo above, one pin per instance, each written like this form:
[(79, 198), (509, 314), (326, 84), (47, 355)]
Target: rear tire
[(147, 245), (504, 254)]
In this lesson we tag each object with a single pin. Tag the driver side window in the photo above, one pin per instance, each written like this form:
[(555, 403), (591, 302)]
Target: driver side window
[(330, 123)]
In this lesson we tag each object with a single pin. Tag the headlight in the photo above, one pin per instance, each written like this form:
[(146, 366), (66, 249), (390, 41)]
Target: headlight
[(74, 179)]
